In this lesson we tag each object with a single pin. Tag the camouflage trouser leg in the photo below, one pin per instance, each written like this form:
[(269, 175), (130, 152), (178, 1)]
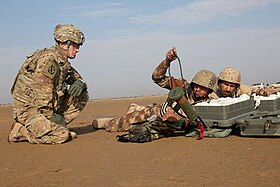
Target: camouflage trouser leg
[(140, 114), (38, 129), (72, 106), (147, 132), (43, 131)]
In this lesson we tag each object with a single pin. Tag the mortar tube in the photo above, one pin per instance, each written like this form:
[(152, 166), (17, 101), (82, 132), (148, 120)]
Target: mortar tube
[(177, 94), (187, 108)]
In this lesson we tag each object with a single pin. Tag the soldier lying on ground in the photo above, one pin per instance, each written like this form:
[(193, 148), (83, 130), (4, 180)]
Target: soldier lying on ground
[(48, 92), (201, 88)]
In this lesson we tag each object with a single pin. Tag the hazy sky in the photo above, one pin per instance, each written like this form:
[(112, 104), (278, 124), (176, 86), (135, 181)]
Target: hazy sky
[(127, 39)]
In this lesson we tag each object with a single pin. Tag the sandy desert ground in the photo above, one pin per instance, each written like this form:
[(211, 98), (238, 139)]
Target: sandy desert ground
[(95, 158)]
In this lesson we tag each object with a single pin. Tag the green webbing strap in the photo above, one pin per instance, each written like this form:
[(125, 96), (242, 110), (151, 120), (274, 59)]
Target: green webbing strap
[(212, 133)]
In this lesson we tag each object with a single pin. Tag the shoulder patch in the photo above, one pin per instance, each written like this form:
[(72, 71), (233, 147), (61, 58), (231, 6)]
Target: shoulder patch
[(50, 69)]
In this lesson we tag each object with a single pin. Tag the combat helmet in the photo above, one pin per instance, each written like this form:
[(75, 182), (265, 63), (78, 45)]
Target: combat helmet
[(68, 32), (206, 79), (231, 75)]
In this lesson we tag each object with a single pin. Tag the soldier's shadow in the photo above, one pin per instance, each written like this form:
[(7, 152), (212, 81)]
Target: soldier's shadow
[(83, 130)]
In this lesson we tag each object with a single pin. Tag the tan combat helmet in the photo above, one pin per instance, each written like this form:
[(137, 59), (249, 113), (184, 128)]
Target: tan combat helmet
[(68, 32), (231, 75), (206, 79)]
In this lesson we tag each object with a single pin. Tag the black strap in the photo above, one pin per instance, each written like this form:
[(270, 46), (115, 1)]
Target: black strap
[(181, 72)]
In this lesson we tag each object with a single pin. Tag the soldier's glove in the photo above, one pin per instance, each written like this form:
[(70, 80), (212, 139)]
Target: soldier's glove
[(58, 119), (76, 88)]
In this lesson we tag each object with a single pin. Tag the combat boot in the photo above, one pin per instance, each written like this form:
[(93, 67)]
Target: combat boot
[(72, 135), (18, 133), (102, 123)]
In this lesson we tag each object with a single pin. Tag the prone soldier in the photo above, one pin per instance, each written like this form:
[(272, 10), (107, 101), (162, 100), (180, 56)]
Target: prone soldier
[(201, 88)]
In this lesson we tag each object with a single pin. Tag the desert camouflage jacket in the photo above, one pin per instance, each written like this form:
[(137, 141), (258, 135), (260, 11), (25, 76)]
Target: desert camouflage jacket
[(43, 79), (159, 77)]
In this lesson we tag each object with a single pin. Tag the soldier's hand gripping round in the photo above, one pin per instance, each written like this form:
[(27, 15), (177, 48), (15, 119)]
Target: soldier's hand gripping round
[(76, 88)]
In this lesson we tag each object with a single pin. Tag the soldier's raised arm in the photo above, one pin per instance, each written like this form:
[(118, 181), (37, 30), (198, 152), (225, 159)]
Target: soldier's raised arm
[(159, 74)]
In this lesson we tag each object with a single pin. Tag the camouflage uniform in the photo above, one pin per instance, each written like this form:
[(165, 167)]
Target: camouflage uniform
[(41, 90), (135, 114), (138, 114), (160, 78)]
